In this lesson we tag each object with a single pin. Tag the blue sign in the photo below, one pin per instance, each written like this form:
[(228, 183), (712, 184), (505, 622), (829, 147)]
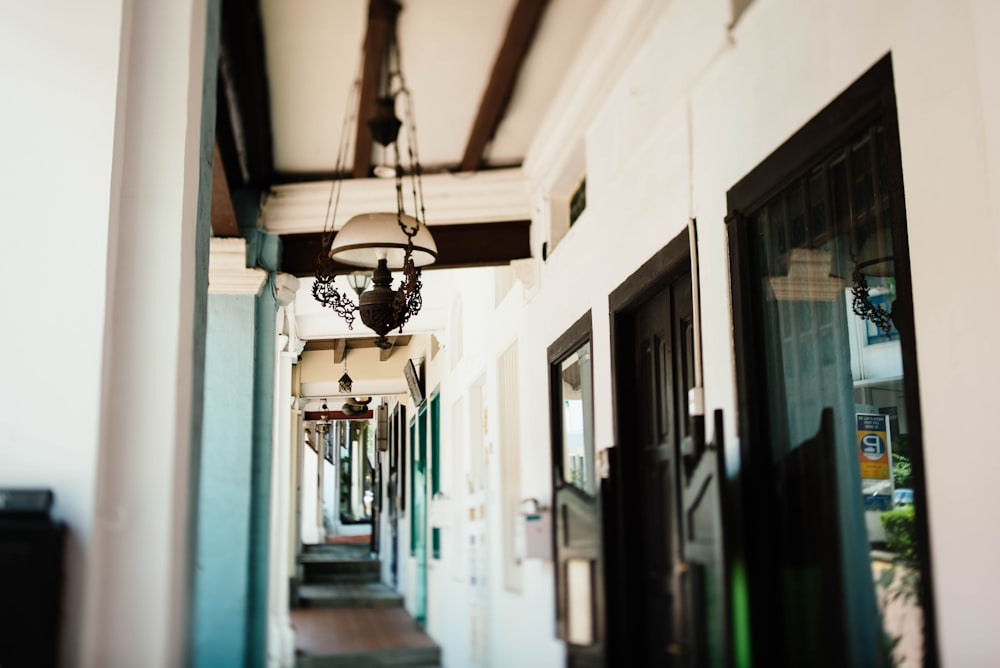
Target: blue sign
[(873, 446)]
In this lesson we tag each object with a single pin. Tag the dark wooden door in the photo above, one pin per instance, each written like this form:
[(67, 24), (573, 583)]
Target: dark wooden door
[(660, 422), (664, 500)]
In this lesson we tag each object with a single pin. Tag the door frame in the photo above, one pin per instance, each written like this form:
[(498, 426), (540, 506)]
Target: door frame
[(870, 98), (622, 528), (588, 501)]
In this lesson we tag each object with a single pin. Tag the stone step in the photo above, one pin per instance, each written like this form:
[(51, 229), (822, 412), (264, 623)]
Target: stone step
[(319, 568), (410, 657), (350, 595), (348, 551)]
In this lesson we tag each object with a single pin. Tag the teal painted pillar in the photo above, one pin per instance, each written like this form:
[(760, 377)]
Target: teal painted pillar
[(260, 502), (266, 249), (222, 581), (234, 510), (196, 578)]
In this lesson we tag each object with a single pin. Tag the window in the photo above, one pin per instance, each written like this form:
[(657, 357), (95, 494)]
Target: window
[(571, 388), (830, 422), (575, 495), (578, 202)]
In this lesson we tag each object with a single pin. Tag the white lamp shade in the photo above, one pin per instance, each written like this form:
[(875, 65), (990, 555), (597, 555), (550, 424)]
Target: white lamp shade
[(368, 237)]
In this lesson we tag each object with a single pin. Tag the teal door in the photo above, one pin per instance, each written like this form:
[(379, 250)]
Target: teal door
[(418, 513)]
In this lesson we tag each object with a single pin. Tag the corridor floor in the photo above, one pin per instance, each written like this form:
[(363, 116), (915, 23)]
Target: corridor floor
[(321, 631), (348, 619)]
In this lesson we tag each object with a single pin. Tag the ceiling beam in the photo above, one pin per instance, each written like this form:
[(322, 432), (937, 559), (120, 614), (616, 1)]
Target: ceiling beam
[(336, 415), (520, 33), (461, 245), (381, 25), (243, 116), (385, 353), (339, 350), (222, 214)]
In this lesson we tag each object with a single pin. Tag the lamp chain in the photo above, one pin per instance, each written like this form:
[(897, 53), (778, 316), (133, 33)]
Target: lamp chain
[(324, 289)]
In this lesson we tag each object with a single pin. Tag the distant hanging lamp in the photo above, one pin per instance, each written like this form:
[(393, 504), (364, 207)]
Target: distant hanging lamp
[(324, 418), (382, 241), (346, 383)]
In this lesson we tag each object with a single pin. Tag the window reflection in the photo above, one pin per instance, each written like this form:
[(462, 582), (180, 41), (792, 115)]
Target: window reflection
[(837, 422), (577, 430)]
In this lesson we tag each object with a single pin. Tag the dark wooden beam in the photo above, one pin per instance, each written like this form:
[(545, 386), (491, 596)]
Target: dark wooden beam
[(461, 245), (336, 415), (243, 116), (222, 213), (353, 343), (381, 26), (339, 348), (385, 353), (520, 33)]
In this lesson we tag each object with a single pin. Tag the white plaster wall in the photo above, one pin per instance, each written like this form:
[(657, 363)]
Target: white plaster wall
[(694, 107), (59, 65), (803, 54), (697, 108), (309, 500), (100, 128)]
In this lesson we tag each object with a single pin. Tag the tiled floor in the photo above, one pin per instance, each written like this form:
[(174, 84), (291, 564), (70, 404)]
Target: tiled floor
[(339, 630)]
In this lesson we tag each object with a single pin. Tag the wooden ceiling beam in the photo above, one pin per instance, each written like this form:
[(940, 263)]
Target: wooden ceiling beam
[(222, 214), (381, 25), (461, 245), (521, 31), (243, 115), (339, 350), (385, 353), (336, 415)]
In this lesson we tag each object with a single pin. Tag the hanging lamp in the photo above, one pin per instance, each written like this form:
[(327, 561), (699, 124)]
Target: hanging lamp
[(386, 241)]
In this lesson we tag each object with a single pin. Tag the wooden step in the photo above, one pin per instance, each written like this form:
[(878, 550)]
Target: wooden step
[(339, 550), (350, 595), (340, 637), (318, 568), (410, 657)]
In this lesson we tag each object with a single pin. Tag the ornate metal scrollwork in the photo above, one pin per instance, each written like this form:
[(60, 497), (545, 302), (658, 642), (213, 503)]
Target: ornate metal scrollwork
[(863, 307), (326, 293)]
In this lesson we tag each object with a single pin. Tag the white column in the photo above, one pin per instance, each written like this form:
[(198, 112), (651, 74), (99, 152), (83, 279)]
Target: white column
[(281, 636), (137, 575), (325, 434)]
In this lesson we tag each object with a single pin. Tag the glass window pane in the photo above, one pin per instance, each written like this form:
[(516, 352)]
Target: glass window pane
[(836, 417), (577, 421)]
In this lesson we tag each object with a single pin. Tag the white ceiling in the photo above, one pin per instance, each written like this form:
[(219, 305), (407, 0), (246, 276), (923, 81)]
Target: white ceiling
[(313, 51)]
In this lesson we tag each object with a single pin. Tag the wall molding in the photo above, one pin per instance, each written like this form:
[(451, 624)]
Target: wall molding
[(228, 273), (486, 196)]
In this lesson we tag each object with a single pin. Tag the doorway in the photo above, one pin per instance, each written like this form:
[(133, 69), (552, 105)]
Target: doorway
[(418, 512), (663, 531), (576, 499)]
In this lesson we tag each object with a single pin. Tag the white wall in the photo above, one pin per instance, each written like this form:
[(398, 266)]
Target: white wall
[(672, 107), (59, 66), (803, 54), (99, 130)]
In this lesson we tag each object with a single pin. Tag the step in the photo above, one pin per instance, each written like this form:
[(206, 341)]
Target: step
[(348, 551), (410, 657), (350, 595), (318, 568)]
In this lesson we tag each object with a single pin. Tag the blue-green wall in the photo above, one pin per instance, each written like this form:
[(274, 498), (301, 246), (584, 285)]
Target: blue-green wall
[(199, 333), (222, 577), (234, 508), (260, 502)]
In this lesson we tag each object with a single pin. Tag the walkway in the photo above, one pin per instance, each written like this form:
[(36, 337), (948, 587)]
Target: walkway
[(346, 618)]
